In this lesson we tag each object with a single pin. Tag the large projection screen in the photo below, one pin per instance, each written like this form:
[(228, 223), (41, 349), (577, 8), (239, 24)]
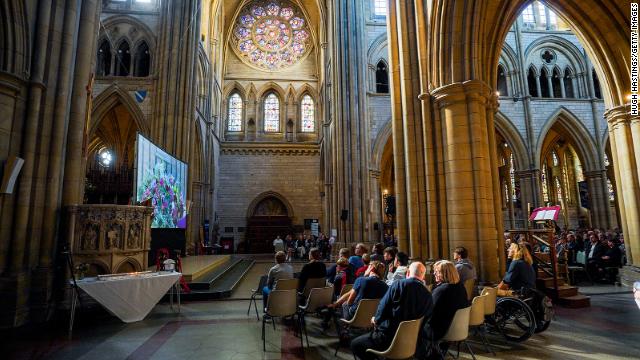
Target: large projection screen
[(163, 179)]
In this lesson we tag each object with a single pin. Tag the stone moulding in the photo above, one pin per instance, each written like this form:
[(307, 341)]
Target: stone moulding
[(271, 149)]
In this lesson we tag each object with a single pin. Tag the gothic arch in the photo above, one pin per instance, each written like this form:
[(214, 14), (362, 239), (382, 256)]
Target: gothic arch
[(110, 98), (232, 87), (133, 262), (560, 45), (511, 134), (15, 51), (375, 51), (307, 89), (379, 144), (271, 87), (146, 32), (576, 131), (267, 194)]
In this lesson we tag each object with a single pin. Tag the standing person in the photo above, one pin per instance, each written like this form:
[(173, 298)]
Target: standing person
[(279, 271), (463, 264), (314, 269), (301, 251), (407, 299), (289, 244)]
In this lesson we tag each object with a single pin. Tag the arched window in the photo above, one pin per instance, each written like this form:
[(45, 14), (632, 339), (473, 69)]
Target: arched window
[(271, 113), (512, 177), (612, 192), (554, 157), (568, 84), (606, 160), (142, 60), (555, 81), (502, 82), (123, 59), (234, 113), (544, 83), (103, 62), (558, 189), (531, 80), (543, 181), (382, 78), (596, 84), (308, 111)]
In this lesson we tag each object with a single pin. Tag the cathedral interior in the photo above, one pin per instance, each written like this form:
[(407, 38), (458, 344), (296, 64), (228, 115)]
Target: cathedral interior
[(427, 124)]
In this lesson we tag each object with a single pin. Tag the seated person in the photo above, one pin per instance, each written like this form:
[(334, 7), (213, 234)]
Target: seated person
[(331, 271), (449, 296), (400, 268), (612, 258), (378, 252), (344, 275), (314, 269), (389, 257), (370, 286), (406, 299), (521, 273), (463, 264), (279, 271), (356, 260), (366, 259)]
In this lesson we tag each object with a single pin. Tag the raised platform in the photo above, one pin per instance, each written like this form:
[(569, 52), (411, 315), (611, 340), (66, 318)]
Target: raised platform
[(194, 267)]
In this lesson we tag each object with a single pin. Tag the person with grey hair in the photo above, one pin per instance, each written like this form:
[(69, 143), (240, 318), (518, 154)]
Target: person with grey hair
[(406, 299)]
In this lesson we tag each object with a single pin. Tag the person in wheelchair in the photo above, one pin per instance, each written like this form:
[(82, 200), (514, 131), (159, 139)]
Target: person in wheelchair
[(520, 273)]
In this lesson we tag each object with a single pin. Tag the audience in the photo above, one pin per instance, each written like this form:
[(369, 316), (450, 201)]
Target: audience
[(521, 273), (279, 271), (331, 272), (378, 252), (594, 252), (406, 299), (399, 268), (314, 269), (389, 257), (370, 286), (449, 295), (463, 264)]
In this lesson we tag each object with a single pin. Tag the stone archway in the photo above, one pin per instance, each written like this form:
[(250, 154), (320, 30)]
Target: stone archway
[(268, 216)]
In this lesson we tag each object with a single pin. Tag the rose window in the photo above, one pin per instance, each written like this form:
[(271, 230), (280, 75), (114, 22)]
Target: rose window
[(271, 35)]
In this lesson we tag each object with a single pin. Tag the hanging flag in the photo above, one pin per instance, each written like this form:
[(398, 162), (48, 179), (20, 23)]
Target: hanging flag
[(140, 95)]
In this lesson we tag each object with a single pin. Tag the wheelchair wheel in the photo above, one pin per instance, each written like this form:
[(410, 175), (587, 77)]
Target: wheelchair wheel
[(514, 319), (542, 325)]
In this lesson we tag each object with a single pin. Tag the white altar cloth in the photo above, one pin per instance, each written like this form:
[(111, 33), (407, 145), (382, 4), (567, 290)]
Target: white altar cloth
[(130, 298)]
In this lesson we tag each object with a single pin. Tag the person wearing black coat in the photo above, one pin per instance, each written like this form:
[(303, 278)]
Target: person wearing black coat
[(314, 269)]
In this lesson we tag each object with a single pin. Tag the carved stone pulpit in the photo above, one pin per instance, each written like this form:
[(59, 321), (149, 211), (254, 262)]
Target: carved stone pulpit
[(110, 238)]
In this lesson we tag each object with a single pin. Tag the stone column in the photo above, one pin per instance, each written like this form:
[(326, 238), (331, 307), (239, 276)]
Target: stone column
[(624, 134), (597, 183), (375, 209), (549, 84), (538, 87), (562, 90), (530, 192), (469, 169)]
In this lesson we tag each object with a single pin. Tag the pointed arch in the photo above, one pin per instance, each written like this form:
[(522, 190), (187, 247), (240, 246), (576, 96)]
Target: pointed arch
[(141, 59), (379, 144), (574, 130), (271, 87), (109, 99), (511, 134), (232, 87)]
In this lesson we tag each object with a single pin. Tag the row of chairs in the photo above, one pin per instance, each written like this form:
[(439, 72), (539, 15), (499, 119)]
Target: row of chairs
[(403, 345)]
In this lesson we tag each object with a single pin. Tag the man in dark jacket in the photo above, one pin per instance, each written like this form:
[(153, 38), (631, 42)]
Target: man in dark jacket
[(406, 299), (314, 269)]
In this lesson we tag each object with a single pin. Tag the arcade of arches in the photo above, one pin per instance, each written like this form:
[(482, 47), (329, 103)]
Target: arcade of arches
[(290, 110)]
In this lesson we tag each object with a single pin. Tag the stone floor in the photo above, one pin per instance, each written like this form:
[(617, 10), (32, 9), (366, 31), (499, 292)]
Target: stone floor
[(609, 329)]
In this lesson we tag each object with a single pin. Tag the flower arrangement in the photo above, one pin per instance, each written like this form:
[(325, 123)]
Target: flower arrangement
[(166, 196)]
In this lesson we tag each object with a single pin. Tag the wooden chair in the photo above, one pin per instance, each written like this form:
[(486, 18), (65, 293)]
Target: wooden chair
[(281, 303), (459, 331), (318, 298), (255, 293), (361, 319), (403, 345)]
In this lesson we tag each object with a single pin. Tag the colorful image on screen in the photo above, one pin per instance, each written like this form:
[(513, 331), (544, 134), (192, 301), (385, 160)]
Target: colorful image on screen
[(162, 179)]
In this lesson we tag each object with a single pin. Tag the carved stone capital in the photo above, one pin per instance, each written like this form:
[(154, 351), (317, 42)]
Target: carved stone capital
[(620, 116), (471, 90)]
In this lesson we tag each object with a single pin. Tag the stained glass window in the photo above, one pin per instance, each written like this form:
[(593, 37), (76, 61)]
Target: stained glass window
[(545, 188), (271, 35), (606, 160), (234, 120), (380, 8), (527, 15), (612, 193), (271, 113), (512, 176), (308, 114), (558, 189), (556, 161)]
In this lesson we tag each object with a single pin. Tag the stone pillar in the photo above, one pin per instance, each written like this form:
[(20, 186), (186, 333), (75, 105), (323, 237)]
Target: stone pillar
[(597, 183), (562, 90), (375, 209), (469, 168), (530, 189), (549, 84), (624, 134), (538, 87)]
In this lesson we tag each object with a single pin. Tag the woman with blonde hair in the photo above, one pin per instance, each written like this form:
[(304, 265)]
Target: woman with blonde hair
[(449, 295), (521, 273)]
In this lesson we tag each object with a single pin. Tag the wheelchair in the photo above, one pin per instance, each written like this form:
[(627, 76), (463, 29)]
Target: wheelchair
[(520, 314)]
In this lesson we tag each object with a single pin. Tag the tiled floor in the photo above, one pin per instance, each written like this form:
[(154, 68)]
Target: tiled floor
[(609, 329)]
